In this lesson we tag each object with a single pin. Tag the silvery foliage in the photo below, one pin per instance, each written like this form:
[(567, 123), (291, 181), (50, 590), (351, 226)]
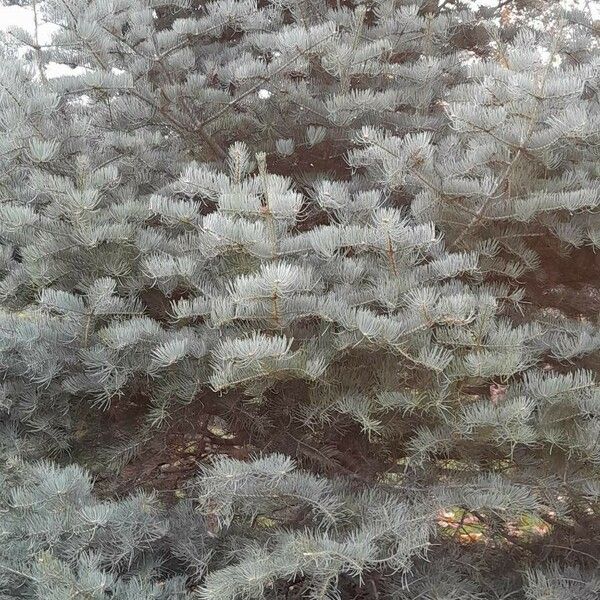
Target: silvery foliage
[(163, 236)]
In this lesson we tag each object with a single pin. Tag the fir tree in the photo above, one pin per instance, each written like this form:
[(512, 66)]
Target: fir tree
[(314, 234)]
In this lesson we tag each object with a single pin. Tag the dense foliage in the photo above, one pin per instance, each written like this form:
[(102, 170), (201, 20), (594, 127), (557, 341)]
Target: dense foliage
[(301, 254)]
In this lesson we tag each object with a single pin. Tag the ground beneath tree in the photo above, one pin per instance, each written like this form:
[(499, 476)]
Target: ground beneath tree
[(169, 458)]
